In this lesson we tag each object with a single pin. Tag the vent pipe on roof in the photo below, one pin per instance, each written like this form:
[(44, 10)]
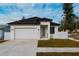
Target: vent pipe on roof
[(23, 17)]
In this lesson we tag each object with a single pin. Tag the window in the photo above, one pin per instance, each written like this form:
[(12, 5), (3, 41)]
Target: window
[(51, 30)]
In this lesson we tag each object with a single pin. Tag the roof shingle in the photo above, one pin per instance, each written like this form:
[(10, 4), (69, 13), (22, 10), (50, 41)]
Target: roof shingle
[(31, 21)]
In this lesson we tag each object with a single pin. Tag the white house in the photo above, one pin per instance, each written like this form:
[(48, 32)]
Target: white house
[(33, 28)]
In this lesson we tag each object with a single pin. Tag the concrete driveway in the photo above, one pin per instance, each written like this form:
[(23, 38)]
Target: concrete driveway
[(18, 48)]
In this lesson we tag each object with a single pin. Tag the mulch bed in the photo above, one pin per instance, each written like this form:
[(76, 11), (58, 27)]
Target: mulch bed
[(57, 53), (1, 41)]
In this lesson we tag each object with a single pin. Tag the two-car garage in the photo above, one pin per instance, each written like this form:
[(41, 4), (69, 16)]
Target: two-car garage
[(25, 32)]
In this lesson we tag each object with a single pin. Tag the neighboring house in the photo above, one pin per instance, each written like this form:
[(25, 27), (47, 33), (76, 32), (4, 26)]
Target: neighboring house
[(1, 33), (3, 28), (33, 28)]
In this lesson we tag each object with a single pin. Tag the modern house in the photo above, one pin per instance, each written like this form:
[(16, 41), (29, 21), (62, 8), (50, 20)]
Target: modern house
[(33, 28)]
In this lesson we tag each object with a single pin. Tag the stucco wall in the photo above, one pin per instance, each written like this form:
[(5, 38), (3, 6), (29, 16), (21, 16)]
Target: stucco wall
[(48, 28), (60, 35), (7, 36), (56, 29)]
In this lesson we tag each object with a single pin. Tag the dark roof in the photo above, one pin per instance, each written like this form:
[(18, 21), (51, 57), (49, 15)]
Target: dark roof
[(3, 26), (54, 24), (32, 20)]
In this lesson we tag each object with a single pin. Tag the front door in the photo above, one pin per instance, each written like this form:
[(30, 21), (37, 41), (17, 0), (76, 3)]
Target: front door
[(43, 31)]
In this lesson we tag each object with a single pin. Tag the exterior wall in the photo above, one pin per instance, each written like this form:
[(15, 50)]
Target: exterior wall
[(60, 35), (1, 34), (7, 36), (48, 28), (7, 33), (23, 26), (56, 29)]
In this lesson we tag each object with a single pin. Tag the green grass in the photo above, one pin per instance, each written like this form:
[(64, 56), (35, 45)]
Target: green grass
[(57, 43), (58, 54)]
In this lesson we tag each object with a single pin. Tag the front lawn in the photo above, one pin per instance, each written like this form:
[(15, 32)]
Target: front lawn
[(58, 43), (58, 54)]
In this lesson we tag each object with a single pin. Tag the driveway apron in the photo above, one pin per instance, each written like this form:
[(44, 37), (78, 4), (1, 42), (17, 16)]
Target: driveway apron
[(18, 48)]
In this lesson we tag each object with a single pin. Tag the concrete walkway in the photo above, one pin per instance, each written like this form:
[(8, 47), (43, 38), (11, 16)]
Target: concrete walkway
[(58, 49), (18, 48), (74, 39)]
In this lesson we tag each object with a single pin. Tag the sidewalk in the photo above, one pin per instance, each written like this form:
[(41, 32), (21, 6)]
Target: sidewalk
[(74, 39), (58, 49)]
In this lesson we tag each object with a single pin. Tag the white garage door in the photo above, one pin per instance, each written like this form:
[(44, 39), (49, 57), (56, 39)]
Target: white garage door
[(28, 33)]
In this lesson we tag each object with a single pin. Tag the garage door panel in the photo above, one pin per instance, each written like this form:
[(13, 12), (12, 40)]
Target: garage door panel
[(28, 33)]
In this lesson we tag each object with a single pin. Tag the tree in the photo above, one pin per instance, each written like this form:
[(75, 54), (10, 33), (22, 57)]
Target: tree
[(61, 27), (69, 17)]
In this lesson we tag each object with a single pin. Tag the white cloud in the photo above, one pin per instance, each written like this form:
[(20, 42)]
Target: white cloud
[(17, 11)]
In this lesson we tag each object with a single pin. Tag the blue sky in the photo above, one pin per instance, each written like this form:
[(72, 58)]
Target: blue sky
[(12, 12)]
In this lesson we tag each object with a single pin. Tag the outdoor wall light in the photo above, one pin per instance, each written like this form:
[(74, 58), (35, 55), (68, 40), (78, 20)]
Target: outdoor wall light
[(38, 29), (12, 29)]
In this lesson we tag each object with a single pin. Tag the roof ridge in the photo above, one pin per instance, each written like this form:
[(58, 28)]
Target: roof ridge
[(30, 20)]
